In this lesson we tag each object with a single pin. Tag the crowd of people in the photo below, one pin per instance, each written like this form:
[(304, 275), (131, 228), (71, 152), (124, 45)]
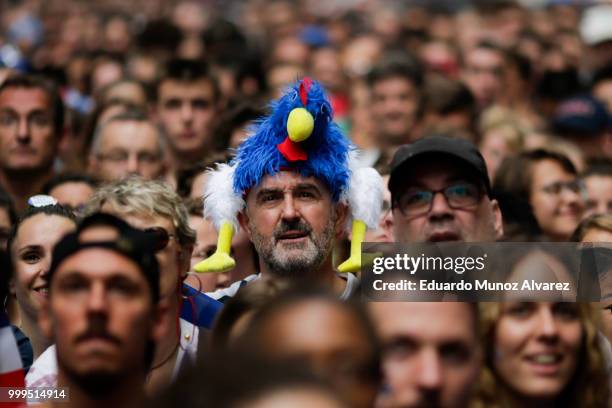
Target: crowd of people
[(486, 121)]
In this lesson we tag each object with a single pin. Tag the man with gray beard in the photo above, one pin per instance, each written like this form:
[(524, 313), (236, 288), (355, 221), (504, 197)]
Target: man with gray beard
[(293, 222)]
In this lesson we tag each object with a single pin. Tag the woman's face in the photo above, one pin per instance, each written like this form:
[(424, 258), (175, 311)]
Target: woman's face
[(537, 347), (605, 281), (556, 199), (31, 252), (494, 149)]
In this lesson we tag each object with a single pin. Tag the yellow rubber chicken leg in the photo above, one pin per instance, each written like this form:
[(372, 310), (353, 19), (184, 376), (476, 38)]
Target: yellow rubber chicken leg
[(220, 261), (353, 264)]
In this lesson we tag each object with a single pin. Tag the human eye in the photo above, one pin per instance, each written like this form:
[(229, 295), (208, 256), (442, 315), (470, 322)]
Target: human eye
[(270, 197), (40, 119), (554, 188), (412, 198), (307, 194), (123, 287), (459, 190), (201, 103), (117, 156), (566, 311), (400, 348), (73, 284), (31, 257), (455, 353), (7, 118), (147, 157), (520, 309), (172, 103)]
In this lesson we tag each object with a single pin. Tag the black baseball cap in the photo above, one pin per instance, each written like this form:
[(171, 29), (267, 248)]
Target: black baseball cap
[(461, 149), (137, 245)]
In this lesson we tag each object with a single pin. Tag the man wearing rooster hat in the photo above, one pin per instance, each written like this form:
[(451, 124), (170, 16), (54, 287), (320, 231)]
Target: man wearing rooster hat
[(294, 188)]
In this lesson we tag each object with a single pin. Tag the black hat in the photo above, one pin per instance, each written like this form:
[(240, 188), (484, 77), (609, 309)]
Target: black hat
[(135, 244), (461, 149)]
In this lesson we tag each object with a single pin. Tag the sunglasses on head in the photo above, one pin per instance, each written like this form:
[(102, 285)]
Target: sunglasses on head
[(161, 236)]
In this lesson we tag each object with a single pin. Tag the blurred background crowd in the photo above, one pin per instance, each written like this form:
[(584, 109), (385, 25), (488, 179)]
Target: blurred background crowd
[(123, 105)]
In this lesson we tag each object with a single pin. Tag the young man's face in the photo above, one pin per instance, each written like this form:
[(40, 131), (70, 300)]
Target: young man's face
[(483, 73), (186, 111), (292, 222), (431, 354), (328, 339), (479, 221), (395, 103), (101, 317), (27, 139)]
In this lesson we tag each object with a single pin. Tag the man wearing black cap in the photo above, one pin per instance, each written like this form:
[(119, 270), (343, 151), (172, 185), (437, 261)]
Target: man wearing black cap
[(104, 312), (440, 191)]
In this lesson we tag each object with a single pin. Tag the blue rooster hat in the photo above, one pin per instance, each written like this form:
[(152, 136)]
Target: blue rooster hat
[(298, 135)]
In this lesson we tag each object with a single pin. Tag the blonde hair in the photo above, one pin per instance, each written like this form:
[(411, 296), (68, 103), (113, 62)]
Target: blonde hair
[(588, 387), (134, 195), (507, 122), (594, 222)]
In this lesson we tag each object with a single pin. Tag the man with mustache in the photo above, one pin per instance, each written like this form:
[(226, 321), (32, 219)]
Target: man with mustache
[(293, 221), (290, 187), (104, 312), (440, 191)]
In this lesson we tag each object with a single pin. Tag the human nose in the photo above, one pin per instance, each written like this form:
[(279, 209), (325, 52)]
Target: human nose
[(45, 264), (132, 164), (289, 208), (186, 112), (429, 375), (439, 205), (572, 196), (23, 130), (547, 324), (97, 300)]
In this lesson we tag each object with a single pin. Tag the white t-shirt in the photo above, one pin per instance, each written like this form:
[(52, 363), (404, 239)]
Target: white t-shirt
[(43, 372)]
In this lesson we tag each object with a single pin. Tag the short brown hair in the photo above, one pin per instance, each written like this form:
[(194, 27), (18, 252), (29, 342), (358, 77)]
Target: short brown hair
[(50, 90)]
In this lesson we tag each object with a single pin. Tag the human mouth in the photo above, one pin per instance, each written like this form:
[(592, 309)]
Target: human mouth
[(188, 134), (545, 363), (292, 236), (23, 150), (42, 290), (443, 236)]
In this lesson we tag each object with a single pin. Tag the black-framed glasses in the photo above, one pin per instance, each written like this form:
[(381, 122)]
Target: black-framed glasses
[(415, 202), (162, 237)]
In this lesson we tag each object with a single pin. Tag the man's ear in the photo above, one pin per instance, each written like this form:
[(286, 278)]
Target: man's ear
[(243, 219), (342, 212), (44, 319), (498, 222), (387, 225)]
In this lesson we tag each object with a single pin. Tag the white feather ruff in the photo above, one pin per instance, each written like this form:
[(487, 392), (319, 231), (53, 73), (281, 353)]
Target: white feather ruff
[(221, 203), (365, 195)]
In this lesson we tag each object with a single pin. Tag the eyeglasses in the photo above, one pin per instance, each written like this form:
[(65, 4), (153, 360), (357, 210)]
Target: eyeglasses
[(121, 156), (574, 186), (458, 196), (161, 236)]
